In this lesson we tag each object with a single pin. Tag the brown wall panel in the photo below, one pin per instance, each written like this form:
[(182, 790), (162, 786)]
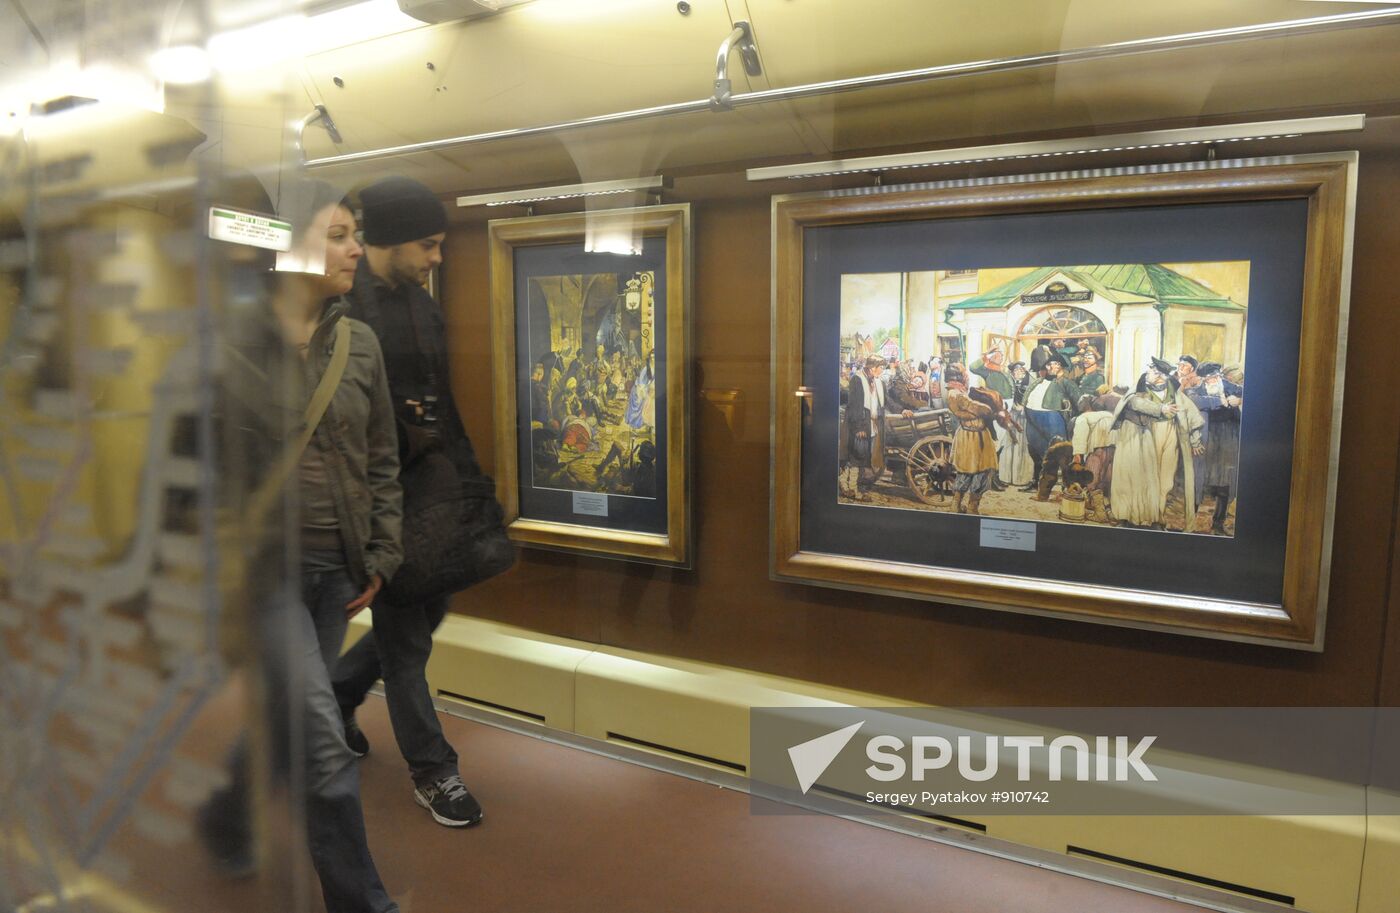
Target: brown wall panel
[(727, 610)]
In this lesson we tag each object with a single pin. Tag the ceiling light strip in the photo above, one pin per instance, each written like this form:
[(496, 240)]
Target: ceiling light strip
[(653, 184), (1290, 28), (1084, 145), (1034, 182)]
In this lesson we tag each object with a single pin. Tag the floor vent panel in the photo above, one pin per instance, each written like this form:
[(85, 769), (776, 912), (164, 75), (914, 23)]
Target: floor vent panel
[(1184, 876), (497, 708), (676, 752)]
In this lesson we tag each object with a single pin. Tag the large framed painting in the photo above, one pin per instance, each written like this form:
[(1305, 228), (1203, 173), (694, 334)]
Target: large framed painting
[(1109, 396), (591, 353)]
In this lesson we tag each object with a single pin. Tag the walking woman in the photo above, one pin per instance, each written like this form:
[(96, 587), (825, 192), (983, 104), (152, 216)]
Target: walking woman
[(312, 381)]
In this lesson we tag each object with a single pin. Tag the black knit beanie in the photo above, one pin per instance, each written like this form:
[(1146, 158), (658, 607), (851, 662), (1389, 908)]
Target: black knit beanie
[(397, 210)]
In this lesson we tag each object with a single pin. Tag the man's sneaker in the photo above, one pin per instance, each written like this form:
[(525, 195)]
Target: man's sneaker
[(449, 802), (355, 738)]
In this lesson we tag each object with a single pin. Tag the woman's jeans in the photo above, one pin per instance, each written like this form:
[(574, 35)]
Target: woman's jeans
[(300, 642)]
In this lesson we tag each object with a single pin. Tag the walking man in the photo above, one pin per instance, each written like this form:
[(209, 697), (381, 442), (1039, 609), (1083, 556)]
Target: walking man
[(404, 226)]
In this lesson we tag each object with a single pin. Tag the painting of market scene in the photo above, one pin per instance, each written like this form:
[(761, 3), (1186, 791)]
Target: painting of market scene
[(593, 383), (1109, 395)]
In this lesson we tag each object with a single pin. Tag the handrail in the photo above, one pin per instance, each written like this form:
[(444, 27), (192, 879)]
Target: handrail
[(1289, 28), (317, 113), (741, 37)]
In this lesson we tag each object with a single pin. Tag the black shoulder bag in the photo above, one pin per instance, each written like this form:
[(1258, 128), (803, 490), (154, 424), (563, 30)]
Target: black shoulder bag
[(454, 532)]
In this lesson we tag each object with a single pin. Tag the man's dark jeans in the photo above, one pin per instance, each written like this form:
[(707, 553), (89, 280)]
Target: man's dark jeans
[(311, 636), (397, 649)]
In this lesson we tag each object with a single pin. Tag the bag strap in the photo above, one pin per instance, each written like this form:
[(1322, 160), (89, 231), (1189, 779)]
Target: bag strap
[(271, 488)]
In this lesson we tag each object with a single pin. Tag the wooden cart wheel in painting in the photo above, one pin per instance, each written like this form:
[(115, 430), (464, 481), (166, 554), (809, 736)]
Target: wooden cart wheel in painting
[(929, 468)]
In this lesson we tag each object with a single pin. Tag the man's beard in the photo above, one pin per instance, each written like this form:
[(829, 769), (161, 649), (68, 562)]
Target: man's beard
[(411, 275)]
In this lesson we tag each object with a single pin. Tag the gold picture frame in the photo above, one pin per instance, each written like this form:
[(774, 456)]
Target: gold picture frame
[(577, 240), (1323, 188)]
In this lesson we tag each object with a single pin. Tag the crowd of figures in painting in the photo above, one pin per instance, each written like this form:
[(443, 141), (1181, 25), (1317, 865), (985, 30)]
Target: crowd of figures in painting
[(1033, 423), (593, 390)]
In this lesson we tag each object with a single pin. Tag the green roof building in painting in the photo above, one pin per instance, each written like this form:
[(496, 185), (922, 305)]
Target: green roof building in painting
[(1128, 311)]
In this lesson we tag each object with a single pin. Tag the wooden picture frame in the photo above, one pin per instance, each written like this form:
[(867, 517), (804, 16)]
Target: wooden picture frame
[(542, 514), (813, 234)]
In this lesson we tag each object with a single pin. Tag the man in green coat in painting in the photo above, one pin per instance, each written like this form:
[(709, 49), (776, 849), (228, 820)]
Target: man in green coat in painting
[(1091, 376), (991, 367)]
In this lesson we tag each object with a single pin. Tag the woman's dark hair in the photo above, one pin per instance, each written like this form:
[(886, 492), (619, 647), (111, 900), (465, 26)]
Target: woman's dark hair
[(302, 199)]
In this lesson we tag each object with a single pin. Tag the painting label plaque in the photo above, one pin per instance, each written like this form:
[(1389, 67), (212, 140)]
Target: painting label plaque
[(1008, 534), (590, 504)]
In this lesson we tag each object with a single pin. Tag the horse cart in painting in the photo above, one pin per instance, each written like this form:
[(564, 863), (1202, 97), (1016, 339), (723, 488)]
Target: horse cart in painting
[(919, 451)]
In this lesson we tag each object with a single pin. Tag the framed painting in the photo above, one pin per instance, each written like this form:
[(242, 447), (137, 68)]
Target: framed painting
[(1031, 394), (590, 338)]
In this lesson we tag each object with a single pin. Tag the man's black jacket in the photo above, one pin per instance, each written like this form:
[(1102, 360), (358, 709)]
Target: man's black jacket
[(413, 337)]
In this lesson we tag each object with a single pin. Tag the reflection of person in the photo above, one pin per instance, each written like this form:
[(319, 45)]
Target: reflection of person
[(350, 518), (1156, 427), (611, 336), (974, 448), (642, 477), (404, 227), (1216, 470), (641, 405), (637, 477)]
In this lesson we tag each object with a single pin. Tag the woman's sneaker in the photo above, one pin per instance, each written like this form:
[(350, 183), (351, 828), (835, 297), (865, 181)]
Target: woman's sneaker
[(449, 802)]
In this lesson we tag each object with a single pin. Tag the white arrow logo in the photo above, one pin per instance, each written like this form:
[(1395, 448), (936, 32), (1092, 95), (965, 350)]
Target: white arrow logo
[(811, 759)]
